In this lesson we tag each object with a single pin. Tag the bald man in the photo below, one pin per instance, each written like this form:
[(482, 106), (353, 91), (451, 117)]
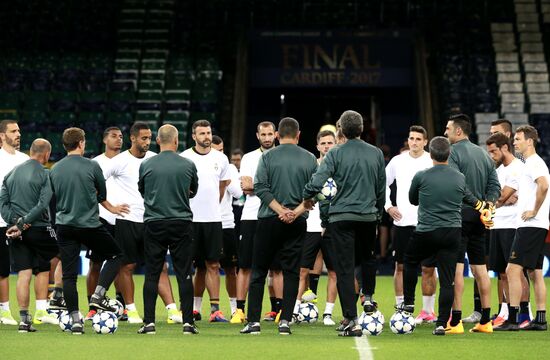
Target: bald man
[(24, 200), (166, 182)]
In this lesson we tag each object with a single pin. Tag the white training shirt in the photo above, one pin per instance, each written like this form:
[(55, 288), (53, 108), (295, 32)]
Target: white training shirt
[(211, 169), (7, 163), (505, 216), (233, 190), (249, 164), (314, 220), (108, 216), (534, 168), (124, 170), (402, 169)]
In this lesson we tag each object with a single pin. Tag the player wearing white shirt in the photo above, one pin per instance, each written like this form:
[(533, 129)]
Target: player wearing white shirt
[(532, 221), (10, 157), (213, 176), (402, 169)]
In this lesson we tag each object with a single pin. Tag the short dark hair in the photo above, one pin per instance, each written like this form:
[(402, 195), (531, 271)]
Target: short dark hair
[(265, 124), (529, 132), (200, 123), (324, 133), (419, 129), (462, 121), (499, 140), (504, 122), (288, 128), (40, 146), (237, 151), (108, 130), (4, 125), (440, 148), (216, 140), (352, 124), (137, 127), (72, 137)]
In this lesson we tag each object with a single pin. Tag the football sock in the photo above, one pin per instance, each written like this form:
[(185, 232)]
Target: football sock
[(456, 317), (131, 307), (296, 307), (313, 282), (171, 306), (99, 292), (399, 299), (41, 304), (427, 304), (499, 307), (120, 298), (57, 292), (241, 304), (5, 306), (214, 305), (197, 303), (75, 317), (278, 304), (513, 316), (25, 316), (524, 307), (233, 304), (329, 307), (273, 301), (541, 317), (477, 299), (503, 311), (485, 316)]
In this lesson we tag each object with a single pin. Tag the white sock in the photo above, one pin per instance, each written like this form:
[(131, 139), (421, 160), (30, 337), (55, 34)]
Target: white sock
[(171, 306), (131, 307), (399, 299), (503, 311), (197, 303), (428, 303), (233, 304), (41, 304), (5, 306), (328, 308), (297, 307)]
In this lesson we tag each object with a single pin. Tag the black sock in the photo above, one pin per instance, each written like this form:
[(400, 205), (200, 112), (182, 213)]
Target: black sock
[(524, 307), (485, 316), (273, 301), (540, 317), (120, 298), (278, 304), (214, 305), (57, 292), (499, 307), (513, 314), (313, 282), (25, 316), (456, 317), (240, 304)]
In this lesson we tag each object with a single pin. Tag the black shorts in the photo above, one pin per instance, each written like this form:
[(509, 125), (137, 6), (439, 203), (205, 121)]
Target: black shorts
[(207, 242), (501, 241), (229, 249), (246, 243), (386, 220), (313, 243), (34, 250), (4, 254), (528, 248), (473, 243), (401, 239), (129, 237), (89, 253)]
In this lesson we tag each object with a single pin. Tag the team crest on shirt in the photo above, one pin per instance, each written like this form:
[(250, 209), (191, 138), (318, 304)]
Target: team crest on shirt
[(216, 167)]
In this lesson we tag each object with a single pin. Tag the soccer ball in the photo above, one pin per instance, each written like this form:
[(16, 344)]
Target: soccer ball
[(65, 321), (105, 322), (308, 313), (372, 324), (329, 190), (55, 312), (401, 323), (118, 306)]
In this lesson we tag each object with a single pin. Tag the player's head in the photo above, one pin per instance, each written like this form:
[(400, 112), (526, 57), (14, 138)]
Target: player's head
[(236, 157), (41, 150), (325, 141), (499, 146), (167, 137), (140, 136), (202, 133), (440, 149), (217, 143), (74, 139), (10, 134), (112, 138), (352, 124), (418, 139), (458, 127), (289, 128), (266, 134), (501, 126), (526, 139)]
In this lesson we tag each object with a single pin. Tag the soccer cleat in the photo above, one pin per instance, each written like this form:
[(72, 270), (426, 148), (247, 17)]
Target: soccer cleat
[(90, 315), (190, 329), (284, 329), (507, 326), (43, 317), (473, 318), (295, 319), (217, 316), (407, 309), (58, 304), (309, 296), (352, 329), (174, 317), (523, 318), (425, 317), (440, 330), (270, 316), (278, 317), (499, 320), (147, 329), (196, 316), (455, 330), (26, 327), (124, 316), (343, 324), (534, 326), (6, 318), (327, 320), (77, 329), (485, 328), (133, 317), (370, 307), (524, 324), (251, 328), (238, 317), (101, 303)]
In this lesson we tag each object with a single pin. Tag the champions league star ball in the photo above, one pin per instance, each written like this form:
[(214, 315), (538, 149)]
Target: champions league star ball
[(65, 321), (401, 323), (372, 324), (105, 323), (118, 306), (329, 190), (308, 313)]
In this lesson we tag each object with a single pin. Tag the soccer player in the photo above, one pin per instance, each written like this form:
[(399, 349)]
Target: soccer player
[(481, 179), (280, 178), (265, 133), (167, 181), (207, 220), (439, 192), (532, 220), (24, 201), (78, 186), (401, 169), (10, 157), (358, 170), (236, 158)]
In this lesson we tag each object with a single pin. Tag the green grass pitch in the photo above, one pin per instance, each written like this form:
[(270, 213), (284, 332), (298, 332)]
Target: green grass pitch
[(223, 341)]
